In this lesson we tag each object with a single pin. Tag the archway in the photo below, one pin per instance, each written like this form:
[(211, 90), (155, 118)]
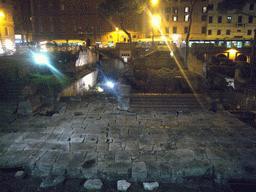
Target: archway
[(241, 57)]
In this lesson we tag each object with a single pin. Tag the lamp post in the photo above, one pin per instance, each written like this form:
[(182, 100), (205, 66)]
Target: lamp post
[(117, 34), (155, 22)]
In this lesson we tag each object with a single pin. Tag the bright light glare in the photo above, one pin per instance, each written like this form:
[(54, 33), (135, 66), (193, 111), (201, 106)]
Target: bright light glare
[(40, 59), (232, 51), (154, 2), (1, 14), (110, 84), (8, 44), (156, 20), (100, 89)]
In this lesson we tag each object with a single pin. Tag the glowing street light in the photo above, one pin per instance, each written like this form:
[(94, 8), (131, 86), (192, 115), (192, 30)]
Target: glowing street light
[(154, 2), (156, 20)]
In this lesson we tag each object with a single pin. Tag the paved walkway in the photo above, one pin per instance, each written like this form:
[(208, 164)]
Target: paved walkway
[(96, 140)]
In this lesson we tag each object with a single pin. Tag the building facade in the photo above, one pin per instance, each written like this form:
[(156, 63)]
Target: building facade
[(80, 19), (174, 19), (77, 19), (231, 29), (6, 27)]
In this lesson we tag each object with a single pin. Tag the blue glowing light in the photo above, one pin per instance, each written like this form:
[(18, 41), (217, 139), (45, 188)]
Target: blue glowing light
[(110, 84)]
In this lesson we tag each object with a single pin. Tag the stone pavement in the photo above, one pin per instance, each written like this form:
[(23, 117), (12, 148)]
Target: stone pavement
[(93, 139)]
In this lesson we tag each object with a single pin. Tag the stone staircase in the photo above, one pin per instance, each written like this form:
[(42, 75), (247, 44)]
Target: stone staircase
[(171, 102)]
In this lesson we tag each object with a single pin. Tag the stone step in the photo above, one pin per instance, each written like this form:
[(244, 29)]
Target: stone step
[(170, 101)]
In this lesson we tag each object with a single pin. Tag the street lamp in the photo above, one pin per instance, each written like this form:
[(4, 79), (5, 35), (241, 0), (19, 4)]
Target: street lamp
[(154, 2), (155, 21)]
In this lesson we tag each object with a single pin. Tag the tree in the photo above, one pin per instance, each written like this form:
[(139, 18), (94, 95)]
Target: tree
[(111, 8), (192, 5), (237, 5)]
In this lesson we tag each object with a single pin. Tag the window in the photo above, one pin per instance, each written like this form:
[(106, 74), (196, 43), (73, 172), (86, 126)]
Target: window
[(62, 7), (50, 19), (39, 7), (185, 29), (167, 17), (168, 10), (203, 29), (167, 30), (229, 19), (239, 31), (219, 19), (204, 9), (51, 28), (250, 19), (218, 32), (40, 29), (251, 6), (6, 31), (174, 18), (210, 7), (249, 32), (210, 19), (175, 9), (240, 18), (228, 32), (51, 7), (186, 17), (186, 9), (74, 28), (209, 32), (174, 30), (98, 28), (204, 17)]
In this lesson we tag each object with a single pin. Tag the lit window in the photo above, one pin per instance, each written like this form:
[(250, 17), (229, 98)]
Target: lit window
[(204, 9), (175, 18), (186, 17), (186, 9), (175, 9), (229, 19)]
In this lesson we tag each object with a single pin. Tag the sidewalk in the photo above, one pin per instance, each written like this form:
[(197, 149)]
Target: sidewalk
[(93, 139)]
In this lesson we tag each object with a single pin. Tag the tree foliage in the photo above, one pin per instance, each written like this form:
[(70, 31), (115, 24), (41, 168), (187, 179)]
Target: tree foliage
[(231, 5), (111, 8)]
